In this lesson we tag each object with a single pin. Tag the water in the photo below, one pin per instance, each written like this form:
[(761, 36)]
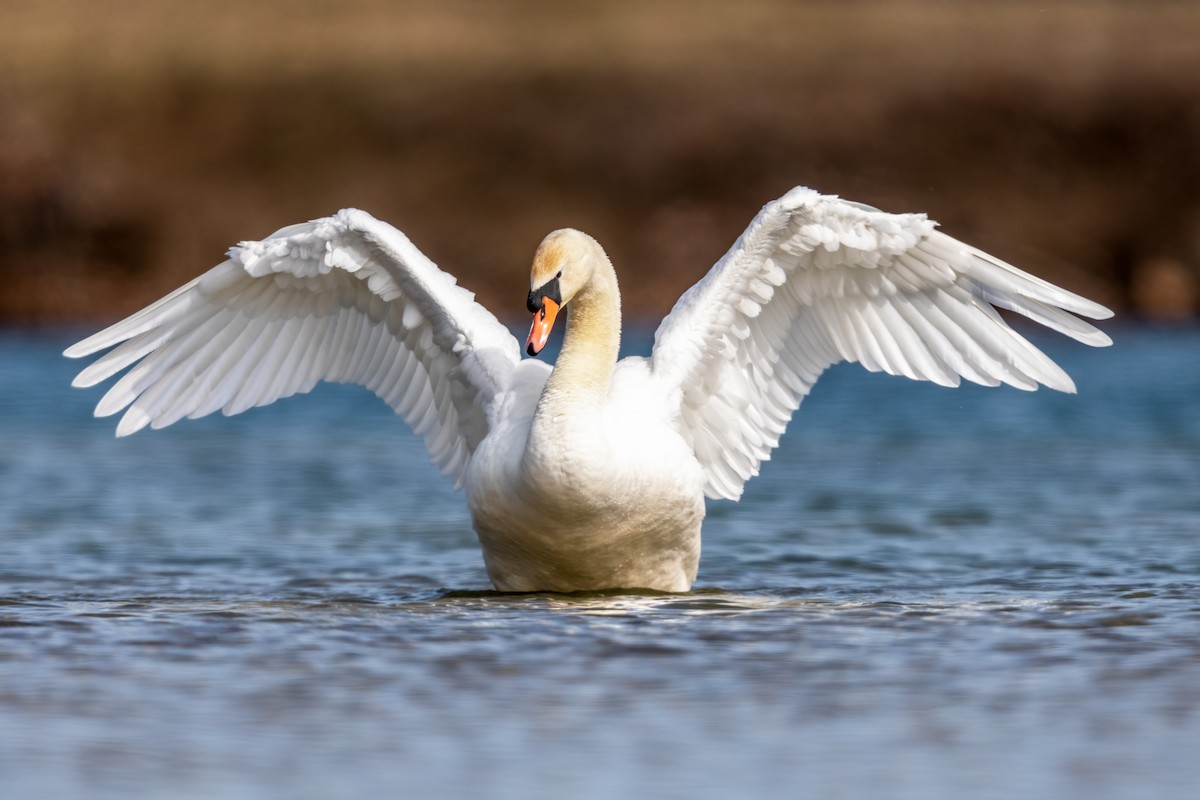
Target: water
[(927, 594)]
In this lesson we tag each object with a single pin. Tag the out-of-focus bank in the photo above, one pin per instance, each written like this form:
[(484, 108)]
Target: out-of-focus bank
[(138, 140)]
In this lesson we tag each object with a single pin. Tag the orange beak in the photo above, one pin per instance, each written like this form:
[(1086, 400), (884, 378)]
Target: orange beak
[(543, 322)]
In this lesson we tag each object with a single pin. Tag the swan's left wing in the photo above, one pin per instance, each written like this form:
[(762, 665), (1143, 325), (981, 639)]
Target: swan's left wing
[(345, 299), (816, 280)]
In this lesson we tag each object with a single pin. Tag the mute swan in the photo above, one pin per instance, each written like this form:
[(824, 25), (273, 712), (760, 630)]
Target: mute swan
[(591, 474)]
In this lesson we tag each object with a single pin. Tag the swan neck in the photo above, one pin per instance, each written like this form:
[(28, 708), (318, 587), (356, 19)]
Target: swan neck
[(593, 337), (583, 370), (566, 426)]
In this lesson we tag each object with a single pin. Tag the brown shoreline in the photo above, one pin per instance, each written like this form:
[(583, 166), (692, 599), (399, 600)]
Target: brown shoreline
[(136, 146)]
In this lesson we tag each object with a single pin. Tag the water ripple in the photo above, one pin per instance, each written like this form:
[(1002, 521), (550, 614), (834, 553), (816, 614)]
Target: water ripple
[(948, 594)]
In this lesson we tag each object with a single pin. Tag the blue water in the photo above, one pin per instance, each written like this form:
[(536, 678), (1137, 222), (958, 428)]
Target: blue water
[(927, 594)]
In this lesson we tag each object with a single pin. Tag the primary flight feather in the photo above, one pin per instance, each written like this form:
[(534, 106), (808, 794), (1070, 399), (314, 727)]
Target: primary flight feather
[(591, 474)]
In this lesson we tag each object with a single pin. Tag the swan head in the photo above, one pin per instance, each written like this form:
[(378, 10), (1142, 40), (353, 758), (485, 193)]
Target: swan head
[(562, 266)]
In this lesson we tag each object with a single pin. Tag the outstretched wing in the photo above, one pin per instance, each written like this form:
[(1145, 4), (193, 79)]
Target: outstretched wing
[(346, 299), (816, 280)]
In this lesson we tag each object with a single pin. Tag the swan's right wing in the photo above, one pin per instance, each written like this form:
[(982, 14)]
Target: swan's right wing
[(816, 280), (345, 299)]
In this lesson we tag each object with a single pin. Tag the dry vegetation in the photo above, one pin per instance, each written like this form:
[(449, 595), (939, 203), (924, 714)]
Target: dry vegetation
[(139, 139)]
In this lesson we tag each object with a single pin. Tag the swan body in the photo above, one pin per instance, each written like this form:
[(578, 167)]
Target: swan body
[(591, 474)]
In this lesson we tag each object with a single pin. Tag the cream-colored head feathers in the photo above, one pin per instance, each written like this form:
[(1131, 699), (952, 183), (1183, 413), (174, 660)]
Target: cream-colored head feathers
[(570, 256)]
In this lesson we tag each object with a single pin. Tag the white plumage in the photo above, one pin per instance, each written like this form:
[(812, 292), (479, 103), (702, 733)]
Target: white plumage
[(590, 475)]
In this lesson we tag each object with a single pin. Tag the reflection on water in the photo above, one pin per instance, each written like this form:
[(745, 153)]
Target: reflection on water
[(928, 594)]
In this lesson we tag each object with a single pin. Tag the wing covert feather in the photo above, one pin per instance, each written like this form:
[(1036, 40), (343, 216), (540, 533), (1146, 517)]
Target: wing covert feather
[(345, 299), (815, 280)]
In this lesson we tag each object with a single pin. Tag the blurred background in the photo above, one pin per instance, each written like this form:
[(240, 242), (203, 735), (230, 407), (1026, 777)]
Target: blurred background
[(140, 139), (927, 594)]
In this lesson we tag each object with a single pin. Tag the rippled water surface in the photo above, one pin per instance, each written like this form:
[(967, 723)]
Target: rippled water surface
[(927, 594)]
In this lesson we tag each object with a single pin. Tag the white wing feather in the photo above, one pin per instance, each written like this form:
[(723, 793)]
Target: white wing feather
[(346, 299), (816, 280)]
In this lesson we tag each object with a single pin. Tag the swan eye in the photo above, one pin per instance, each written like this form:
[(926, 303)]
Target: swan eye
[(559, 275)]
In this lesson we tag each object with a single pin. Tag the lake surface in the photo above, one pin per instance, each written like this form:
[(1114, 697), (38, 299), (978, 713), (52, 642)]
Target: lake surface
[(978, 593)]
